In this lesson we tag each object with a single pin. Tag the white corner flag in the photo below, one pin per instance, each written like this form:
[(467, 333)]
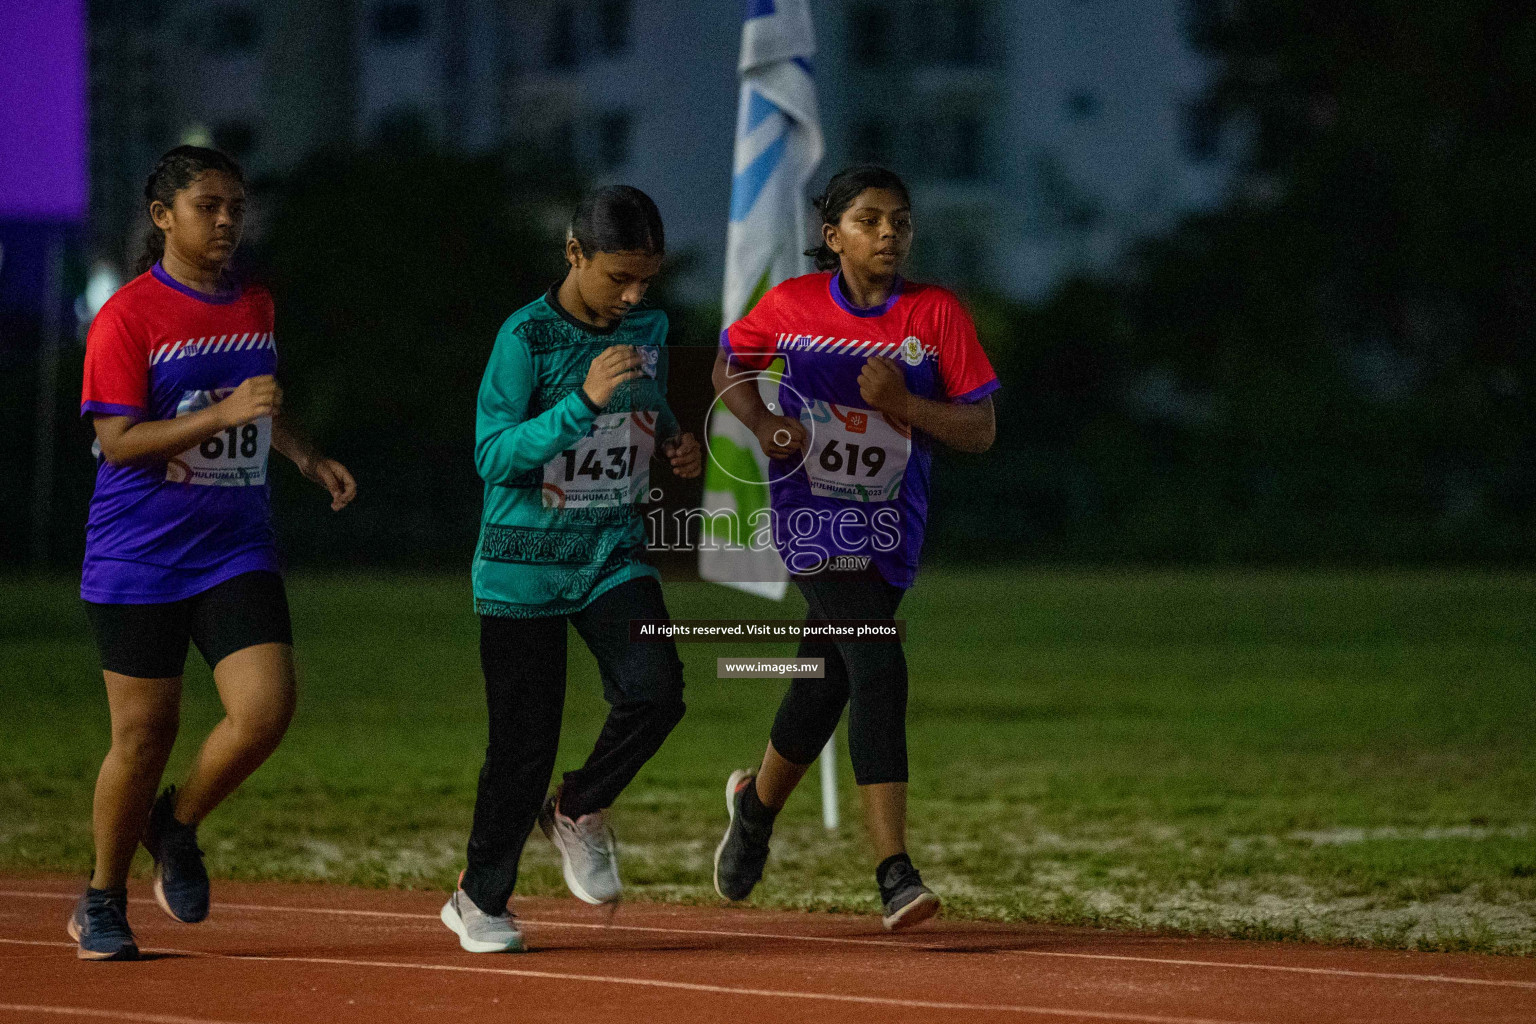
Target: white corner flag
[(778, 145)]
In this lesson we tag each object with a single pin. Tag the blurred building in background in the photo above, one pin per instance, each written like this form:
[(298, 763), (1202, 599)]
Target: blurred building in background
[(1040, 135), (273, 81)]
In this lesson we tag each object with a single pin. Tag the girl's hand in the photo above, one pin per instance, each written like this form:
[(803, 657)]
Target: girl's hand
[(685, 455), (780, 436), (884, 387), (254, 398), (333, 476), (610, 368)]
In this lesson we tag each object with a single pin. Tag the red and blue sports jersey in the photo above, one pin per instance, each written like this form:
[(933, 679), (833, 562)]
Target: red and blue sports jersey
[(862, 488), (168, 530)]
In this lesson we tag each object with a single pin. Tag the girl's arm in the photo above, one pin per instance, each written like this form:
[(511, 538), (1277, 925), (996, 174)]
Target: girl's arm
[(328, 473), (964, 426), (126, 441), (506, 444), (778, 436)]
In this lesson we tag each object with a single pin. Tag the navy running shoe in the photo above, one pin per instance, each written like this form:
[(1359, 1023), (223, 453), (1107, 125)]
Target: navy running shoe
[(743, 850), (905, 901), (181, 881), (99, 925)]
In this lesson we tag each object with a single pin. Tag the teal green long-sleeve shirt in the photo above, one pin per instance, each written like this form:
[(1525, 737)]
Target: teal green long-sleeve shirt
[(532, 559)]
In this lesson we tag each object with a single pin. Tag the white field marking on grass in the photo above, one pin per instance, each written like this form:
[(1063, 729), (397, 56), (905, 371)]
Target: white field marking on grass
[(84, 1011), (1387, 833), (682, 986), (1339, 972)]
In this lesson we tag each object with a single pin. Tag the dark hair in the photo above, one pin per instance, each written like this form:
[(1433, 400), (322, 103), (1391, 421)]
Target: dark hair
[(176, 170), (846, 186), (618, 218)]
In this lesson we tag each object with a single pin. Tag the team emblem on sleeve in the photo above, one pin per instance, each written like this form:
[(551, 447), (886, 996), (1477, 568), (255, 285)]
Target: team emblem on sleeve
[(912, 350)]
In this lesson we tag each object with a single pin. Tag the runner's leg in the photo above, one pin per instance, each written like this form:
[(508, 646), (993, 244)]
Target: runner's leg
[(524, 663), (243, 630), (643, 683), (806, 719), (256, 686), (145, 715)]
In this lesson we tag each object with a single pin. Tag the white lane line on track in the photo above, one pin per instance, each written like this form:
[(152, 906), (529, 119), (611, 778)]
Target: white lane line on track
[(682, 986), (85, 1011), (1337, 972)]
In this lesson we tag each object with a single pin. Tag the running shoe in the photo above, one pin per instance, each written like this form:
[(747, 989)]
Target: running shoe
[(99, 925), (478, 931), (181, 881), (588, 857), (743, 850), (907, 901)]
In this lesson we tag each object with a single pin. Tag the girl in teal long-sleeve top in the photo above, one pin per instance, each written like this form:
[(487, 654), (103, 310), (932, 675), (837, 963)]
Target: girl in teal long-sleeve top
[(571, 409)]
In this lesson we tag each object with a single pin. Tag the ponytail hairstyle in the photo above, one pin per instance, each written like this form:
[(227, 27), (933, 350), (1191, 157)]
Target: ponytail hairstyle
[(617, 218), (846, 186), (177, 170)]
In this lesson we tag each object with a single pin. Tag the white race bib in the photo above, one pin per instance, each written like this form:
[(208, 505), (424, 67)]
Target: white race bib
[(857, 454), (610, 466), (234, 457)]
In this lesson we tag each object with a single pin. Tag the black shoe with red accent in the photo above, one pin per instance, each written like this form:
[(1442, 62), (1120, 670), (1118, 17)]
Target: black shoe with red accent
[(743, 850)]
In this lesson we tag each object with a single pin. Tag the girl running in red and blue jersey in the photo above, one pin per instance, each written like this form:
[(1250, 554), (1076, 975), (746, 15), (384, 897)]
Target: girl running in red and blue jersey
[(876, 369), (180, 386)]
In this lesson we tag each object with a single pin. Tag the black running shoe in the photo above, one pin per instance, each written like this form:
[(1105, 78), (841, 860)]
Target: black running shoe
[(181, 881), (907, 901), (99, 925), (743, 851)]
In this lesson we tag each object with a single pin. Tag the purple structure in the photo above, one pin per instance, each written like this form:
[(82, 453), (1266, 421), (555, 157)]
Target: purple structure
[(43, 97)]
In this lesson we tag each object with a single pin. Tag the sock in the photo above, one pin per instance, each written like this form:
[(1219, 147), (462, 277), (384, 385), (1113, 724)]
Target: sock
[(753, 811), (892, 869)]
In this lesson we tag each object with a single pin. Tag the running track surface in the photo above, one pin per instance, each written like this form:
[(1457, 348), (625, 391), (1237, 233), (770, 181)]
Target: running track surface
[(276, 954)]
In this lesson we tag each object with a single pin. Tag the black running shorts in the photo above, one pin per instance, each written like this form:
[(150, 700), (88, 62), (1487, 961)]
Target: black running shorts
[(149, 641)]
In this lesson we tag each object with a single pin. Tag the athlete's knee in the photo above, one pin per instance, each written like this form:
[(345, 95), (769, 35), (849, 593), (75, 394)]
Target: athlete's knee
[(145, 735), (663, 711), (875, 767), (882, 666), (264, 725)]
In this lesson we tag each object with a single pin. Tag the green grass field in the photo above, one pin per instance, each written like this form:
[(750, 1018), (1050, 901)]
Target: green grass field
[(1342, 757)]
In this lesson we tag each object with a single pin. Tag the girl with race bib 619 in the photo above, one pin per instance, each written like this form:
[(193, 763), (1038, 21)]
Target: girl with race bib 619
[(572, 406), (876, 368), (180, 386)]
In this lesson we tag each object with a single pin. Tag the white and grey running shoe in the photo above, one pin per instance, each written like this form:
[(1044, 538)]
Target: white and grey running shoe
[(478, 931), (588, 858)]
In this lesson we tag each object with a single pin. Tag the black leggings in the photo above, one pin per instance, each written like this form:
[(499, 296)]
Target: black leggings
[(869, 677), (524, 663)]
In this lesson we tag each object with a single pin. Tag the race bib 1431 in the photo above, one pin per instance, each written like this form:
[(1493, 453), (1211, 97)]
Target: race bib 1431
[(610, 466)]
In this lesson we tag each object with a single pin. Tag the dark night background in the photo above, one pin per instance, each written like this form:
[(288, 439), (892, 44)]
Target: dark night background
[(1333, 366)]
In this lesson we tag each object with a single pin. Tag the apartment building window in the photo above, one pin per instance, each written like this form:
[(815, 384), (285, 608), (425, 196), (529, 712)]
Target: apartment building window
[(1082, 105), (560, 50), (562, 142), (1202, 131), (232, 28), (871, 142), (963, 44), (869, 34), (395, 23), (966, 148), (613, 134), (613, 26), (1203, 19), (237, 138)]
